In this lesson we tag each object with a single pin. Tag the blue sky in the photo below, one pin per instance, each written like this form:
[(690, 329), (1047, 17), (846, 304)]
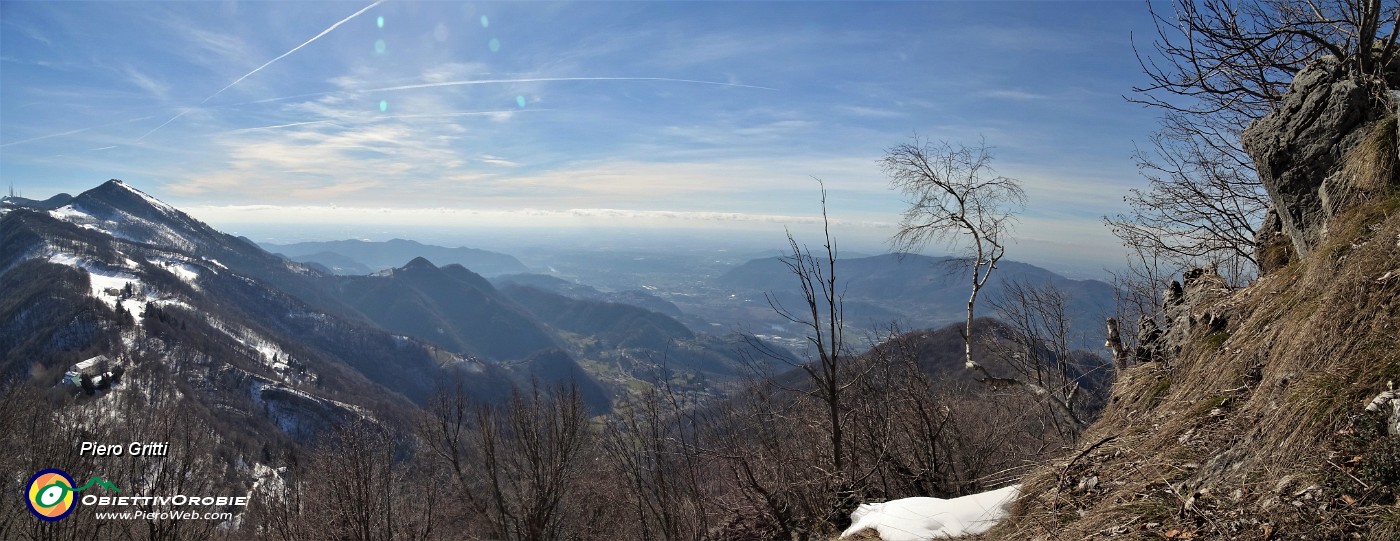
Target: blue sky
[(715, 116)]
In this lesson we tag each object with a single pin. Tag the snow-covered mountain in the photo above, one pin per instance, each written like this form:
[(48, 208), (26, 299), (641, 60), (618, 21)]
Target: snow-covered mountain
[(172, 303)]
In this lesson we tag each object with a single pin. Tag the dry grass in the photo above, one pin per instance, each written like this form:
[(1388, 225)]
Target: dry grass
[(1371, 167), (1246, 435)]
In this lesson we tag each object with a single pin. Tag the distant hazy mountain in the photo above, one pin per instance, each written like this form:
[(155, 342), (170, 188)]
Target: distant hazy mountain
[(617, 325), (921, 290), (389, 254), (575, 290), (334, 263), (449, 306)]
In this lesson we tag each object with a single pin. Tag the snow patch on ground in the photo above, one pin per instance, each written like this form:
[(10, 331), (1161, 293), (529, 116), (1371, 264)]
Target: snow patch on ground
[(183, 270), (107, 284), (922, 519), (71, 213), (126, 226), (269, 353), (77, 216), (151, 200), (284, 416)]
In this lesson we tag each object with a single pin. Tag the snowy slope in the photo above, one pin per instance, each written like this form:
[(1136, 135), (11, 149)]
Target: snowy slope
[(922, 519)]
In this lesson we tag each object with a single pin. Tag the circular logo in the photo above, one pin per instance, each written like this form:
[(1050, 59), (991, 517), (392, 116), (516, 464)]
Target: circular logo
[(50, 494)]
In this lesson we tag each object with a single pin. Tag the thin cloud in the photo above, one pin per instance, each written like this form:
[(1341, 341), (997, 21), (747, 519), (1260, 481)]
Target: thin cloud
[(1017, 95), (497, 160), (380, 118), (261, 213), (869, 112), (470, 82), (156, 88), (560, 79)]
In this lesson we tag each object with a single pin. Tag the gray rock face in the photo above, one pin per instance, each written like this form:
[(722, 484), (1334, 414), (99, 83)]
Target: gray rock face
[(1298, 147), (1184, 312)]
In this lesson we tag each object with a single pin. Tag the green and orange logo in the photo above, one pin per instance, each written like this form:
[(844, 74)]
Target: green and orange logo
[(50, 493)]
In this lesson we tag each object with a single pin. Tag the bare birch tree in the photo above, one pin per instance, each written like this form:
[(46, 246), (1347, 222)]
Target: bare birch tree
[(956, 198)]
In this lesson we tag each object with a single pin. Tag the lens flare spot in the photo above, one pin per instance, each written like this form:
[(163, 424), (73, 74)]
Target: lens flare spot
[(485, 22), (520, 101), (379, 46), (380, 21), (383, 105), (494, 44)]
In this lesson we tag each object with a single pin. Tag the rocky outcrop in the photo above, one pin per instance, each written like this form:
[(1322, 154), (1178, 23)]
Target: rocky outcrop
[(1272, 413), (1185, 309), (1299, 150)]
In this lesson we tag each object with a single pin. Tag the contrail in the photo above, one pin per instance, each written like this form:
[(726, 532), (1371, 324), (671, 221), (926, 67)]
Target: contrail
[(294, 49), (71, 132), (559, 79), (495, 81), (172, 119), (378, 118), (277, 126), (268, 63)]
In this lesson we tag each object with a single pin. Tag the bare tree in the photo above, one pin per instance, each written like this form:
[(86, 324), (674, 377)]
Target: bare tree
[(532, 456), (956, 198), (1203, 202), (1038, 350), (1237, 58), (651, 442), (355, 473), (829, 374), (519, 468), (776, 481), (1138, 299), (823, 316)]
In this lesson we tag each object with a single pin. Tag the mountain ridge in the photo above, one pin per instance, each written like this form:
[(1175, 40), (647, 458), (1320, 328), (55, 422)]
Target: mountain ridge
[(392, 253)]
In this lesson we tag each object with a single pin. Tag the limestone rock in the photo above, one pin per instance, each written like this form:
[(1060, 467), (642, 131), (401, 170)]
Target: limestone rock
[(1149, 341), (1185, 310), (1299, 147)]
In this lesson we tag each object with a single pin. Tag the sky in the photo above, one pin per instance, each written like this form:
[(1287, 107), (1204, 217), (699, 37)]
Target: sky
[(350, 119)]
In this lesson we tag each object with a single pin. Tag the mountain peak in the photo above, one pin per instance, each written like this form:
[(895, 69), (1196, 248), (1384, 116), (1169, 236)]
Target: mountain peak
[(118, 193), (420, 263)]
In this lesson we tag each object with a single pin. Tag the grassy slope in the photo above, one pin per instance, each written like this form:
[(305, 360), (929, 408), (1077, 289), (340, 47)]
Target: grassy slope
[(1258, 431)]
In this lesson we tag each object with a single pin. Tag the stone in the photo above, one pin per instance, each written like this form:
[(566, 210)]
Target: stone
[(1299, 147), (1184, 308), (1114, 343), (1149, 349)]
